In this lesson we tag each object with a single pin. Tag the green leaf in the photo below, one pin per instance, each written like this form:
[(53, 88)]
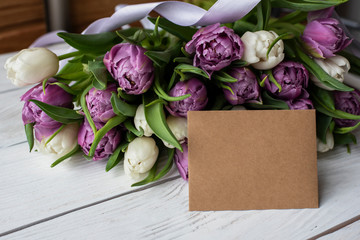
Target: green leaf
[(127, 97), (60, 114), (185, 60), (122, 108), (186, 68), (263, 14), (224, 77), (324, 108), (54, 134), (111, 123), (65, 87), (66, 156), (85, 108), (322, 125), (150, 176), (306, 5), (130, 126), (162, 94), (116, 157), (161, 58), (100, 74), (344, 130), (168, 165), (241, 26), (29, 131), (280, 37), (155, 117), (319, 73), (184, 33), (91, 43), (326, 97), (272, 79), (130, 137), (268, 103), (293, 17), (342, 139)]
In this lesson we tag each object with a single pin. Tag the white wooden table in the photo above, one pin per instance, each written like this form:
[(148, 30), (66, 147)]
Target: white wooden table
[(79, 200)]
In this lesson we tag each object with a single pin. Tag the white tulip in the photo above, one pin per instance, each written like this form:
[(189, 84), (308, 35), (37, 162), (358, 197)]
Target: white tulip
[(140, 121), (62, 143), (31, 66), (178, 126), (140, 156), (256, 45), (336, 67), (238, 108), (324, 147)]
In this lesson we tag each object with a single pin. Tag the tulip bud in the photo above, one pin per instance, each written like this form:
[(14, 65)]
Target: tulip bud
[(129, 65), (62, 143), (256, 45), (107, 144), (181, 161), (246, 89), (347, 102), (140, 156), (215, 47), (99, 104), (31, 66), (178, 127), (291, 76), (336, 67), (197, 100), (324, 147), (31, 113), (140, 121), (323, 37)]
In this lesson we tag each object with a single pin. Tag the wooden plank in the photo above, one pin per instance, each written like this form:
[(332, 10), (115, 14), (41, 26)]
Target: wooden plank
[(350, 232), (32, 191), (82, 16), (21, 23), (162, 212)]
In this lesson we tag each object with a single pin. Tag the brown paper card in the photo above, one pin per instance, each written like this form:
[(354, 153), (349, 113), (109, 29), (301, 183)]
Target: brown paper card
[(241, 160)]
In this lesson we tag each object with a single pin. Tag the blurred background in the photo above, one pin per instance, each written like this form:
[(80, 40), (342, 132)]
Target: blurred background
[(22, 21)]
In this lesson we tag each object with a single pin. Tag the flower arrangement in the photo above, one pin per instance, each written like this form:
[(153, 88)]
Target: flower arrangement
[(124, 95)]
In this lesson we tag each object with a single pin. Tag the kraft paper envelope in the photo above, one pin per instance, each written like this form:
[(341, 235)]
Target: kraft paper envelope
[(258, 159)]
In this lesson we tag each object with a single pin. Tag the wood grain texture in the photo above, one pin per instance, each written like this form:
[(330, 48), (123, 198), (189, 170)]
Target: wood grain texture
[(350, 232), (82, 16), (21, 23), (32, 191), (162, 212)]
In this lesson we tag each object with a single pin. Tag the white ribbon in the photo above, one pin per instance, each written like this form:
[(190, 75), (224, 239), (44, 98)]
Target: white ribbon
[(181, 13)]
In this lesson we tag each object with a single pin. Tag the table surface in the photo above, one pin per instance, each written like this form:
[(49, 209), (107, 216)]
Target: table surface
[(78, 198)]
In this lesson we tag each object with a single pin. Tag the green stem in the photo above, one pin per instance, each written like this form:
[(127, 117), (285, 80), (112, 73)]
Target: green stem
[(69, 154), (54, 134), (69, 55), (86, 110)]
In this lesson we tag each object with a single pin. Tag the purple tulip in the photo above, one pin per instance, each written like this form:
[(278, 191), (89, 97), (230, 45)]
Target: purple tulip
[(107, 144), (323, 37), (246, 89), (54, 95), (181, 161), (300, 104), (291, 76), (99, 104), (348, 102), (323, 13), (196, 101), (129, 65), (215, 47)]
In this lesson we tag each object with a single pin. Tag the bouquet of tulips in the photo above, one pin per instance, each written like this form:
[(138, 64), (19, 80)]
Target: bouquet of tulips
[(124, 95)]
